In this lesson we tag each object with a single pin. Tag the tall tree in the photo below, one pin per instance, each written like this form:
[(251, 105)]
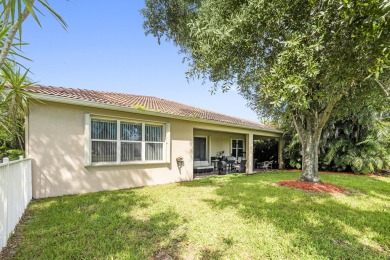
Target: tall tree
[(290, 58)]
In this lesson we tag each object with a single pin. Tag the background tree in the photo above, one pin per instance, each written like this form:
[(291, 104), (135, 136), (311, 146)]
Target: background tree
[(291, 59), (356, 139), (266, 150)]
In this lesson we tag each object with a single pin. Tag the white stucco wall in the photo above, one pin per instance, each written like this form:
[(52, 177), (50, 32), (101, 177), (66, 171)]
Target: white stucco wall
[(55, 142)]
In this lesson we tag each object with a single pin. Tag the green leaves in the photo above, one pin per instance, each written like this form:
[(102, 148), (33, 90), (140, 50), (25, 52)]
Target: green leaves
[(291, 59), (60, 20), (13, 104), (14, 9), (15, 95), (13, 82), (12, 16)]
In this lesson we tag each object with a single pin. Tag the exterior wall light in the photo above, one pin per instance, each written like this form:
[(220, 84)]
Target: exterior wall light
[(180, 162)]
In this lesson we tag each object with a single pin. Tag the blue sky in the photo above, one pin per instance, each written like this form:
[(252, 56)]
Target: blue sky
[(105, 48)]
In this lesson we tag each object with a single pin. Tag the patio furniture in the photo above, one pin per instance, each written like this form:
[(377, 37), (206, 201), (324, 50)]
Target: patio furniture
[(215, 163), (264, 165), (236, 165), (240, 166), (230, 160), (271, 164), (223, 167), (202, 167)]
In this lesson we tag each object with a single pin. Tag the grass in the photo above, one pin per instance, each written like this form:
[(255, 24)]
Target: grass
[(227, 217)]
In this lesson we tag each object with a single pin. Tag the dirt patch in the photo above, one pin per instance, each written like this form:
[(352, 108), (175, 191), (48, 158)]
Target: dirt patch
[(162, 255), (342, 173), (312, 186), (379, 173), (383, 172)]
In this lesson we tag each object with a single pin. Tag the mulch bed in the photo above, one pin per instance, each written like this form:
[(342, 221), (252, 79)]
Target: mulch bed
[(380, 173), (310, 186)]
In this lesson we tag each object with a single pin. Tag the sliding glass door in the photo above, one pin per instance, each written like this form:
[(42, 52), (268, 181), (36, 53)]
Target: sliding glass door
[(200, 148)]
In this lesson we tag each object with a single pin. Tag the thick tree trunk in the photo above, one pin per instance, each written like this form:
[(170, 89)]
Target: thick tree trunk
[(310, 158), (309, 124), (309, 131)]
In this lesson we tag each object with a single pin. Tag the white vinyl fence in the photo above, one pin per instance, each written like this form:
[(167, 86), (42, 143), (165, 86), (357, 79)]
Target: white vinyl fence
[(15, 194)]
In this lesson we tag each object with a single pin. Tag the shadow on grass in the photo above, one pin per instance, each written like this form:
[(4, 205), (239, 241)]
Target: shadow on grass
[(210, 254), (128, 225), (99, 226), (319, 222)]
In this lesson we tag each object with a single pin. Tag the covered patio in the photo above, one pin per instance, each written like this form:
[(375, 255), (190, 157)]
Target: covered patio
[(213, 146)]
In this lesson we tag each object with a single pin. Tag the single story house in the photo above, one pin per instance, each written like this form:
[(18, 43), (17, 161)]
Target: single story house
[(85, 141)]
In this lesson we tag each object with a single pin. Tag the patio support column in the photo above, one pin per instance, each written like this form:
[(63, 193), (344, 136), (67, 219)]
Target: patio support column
[(249, 153), (280, 153)]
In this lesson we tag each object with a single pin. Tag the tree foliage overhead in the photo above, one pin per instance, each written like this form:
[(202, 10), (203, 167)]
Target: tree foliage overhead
[(294, 59), (12, 16)]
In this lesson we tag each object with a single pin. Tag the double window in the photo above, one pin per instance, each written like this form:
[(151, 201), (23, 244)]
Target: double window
[(117, 141)]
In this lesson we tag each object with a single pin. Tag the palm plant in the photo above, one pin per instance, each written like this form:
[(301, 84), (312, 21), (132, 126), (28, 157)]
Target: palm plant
[(360, 144), (13, 104), (12, 16), (361, 148), (292, 152), (357, 137), (13, 82)]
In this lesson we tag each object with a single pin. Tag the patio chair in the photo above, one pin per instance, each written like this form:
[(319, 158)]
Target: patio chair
[(271, 165), (237, 165), (264, 165)]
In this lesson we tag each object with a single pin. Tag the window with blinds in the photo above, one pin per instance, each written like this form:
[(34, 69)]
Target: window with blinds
[(104, 141), (131, 142), (153, 143), (121, 142)]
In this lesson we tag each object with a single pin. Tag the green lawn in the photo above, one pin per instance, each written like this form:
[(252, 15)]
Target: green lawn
[(227, 217)]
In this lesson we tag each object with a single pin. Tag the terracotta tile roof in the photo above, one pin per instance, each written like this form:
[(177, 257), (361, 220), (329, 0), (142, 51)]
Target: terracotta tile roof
[(147, 103)]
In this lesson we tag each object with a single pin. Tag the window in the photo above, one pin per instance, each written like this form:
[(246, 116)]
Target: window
[(153, 143), (131, 142), (237, 148), (104, 143), (117, 141)]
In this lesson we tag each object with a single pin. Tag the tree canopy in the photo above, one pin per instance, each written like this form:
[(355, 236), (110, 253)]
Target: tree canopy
[(294, 59)]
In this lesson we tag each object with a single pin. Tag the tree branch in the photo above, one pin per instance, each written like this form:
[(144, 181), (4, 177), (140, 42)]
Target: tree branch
[(15, 27), (299, 128), (383, 88), (324, 116)]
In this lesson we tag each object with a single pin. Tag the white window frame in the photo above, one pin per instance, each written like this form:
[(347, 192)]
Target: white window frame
[(88, 141), (237, 139)]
